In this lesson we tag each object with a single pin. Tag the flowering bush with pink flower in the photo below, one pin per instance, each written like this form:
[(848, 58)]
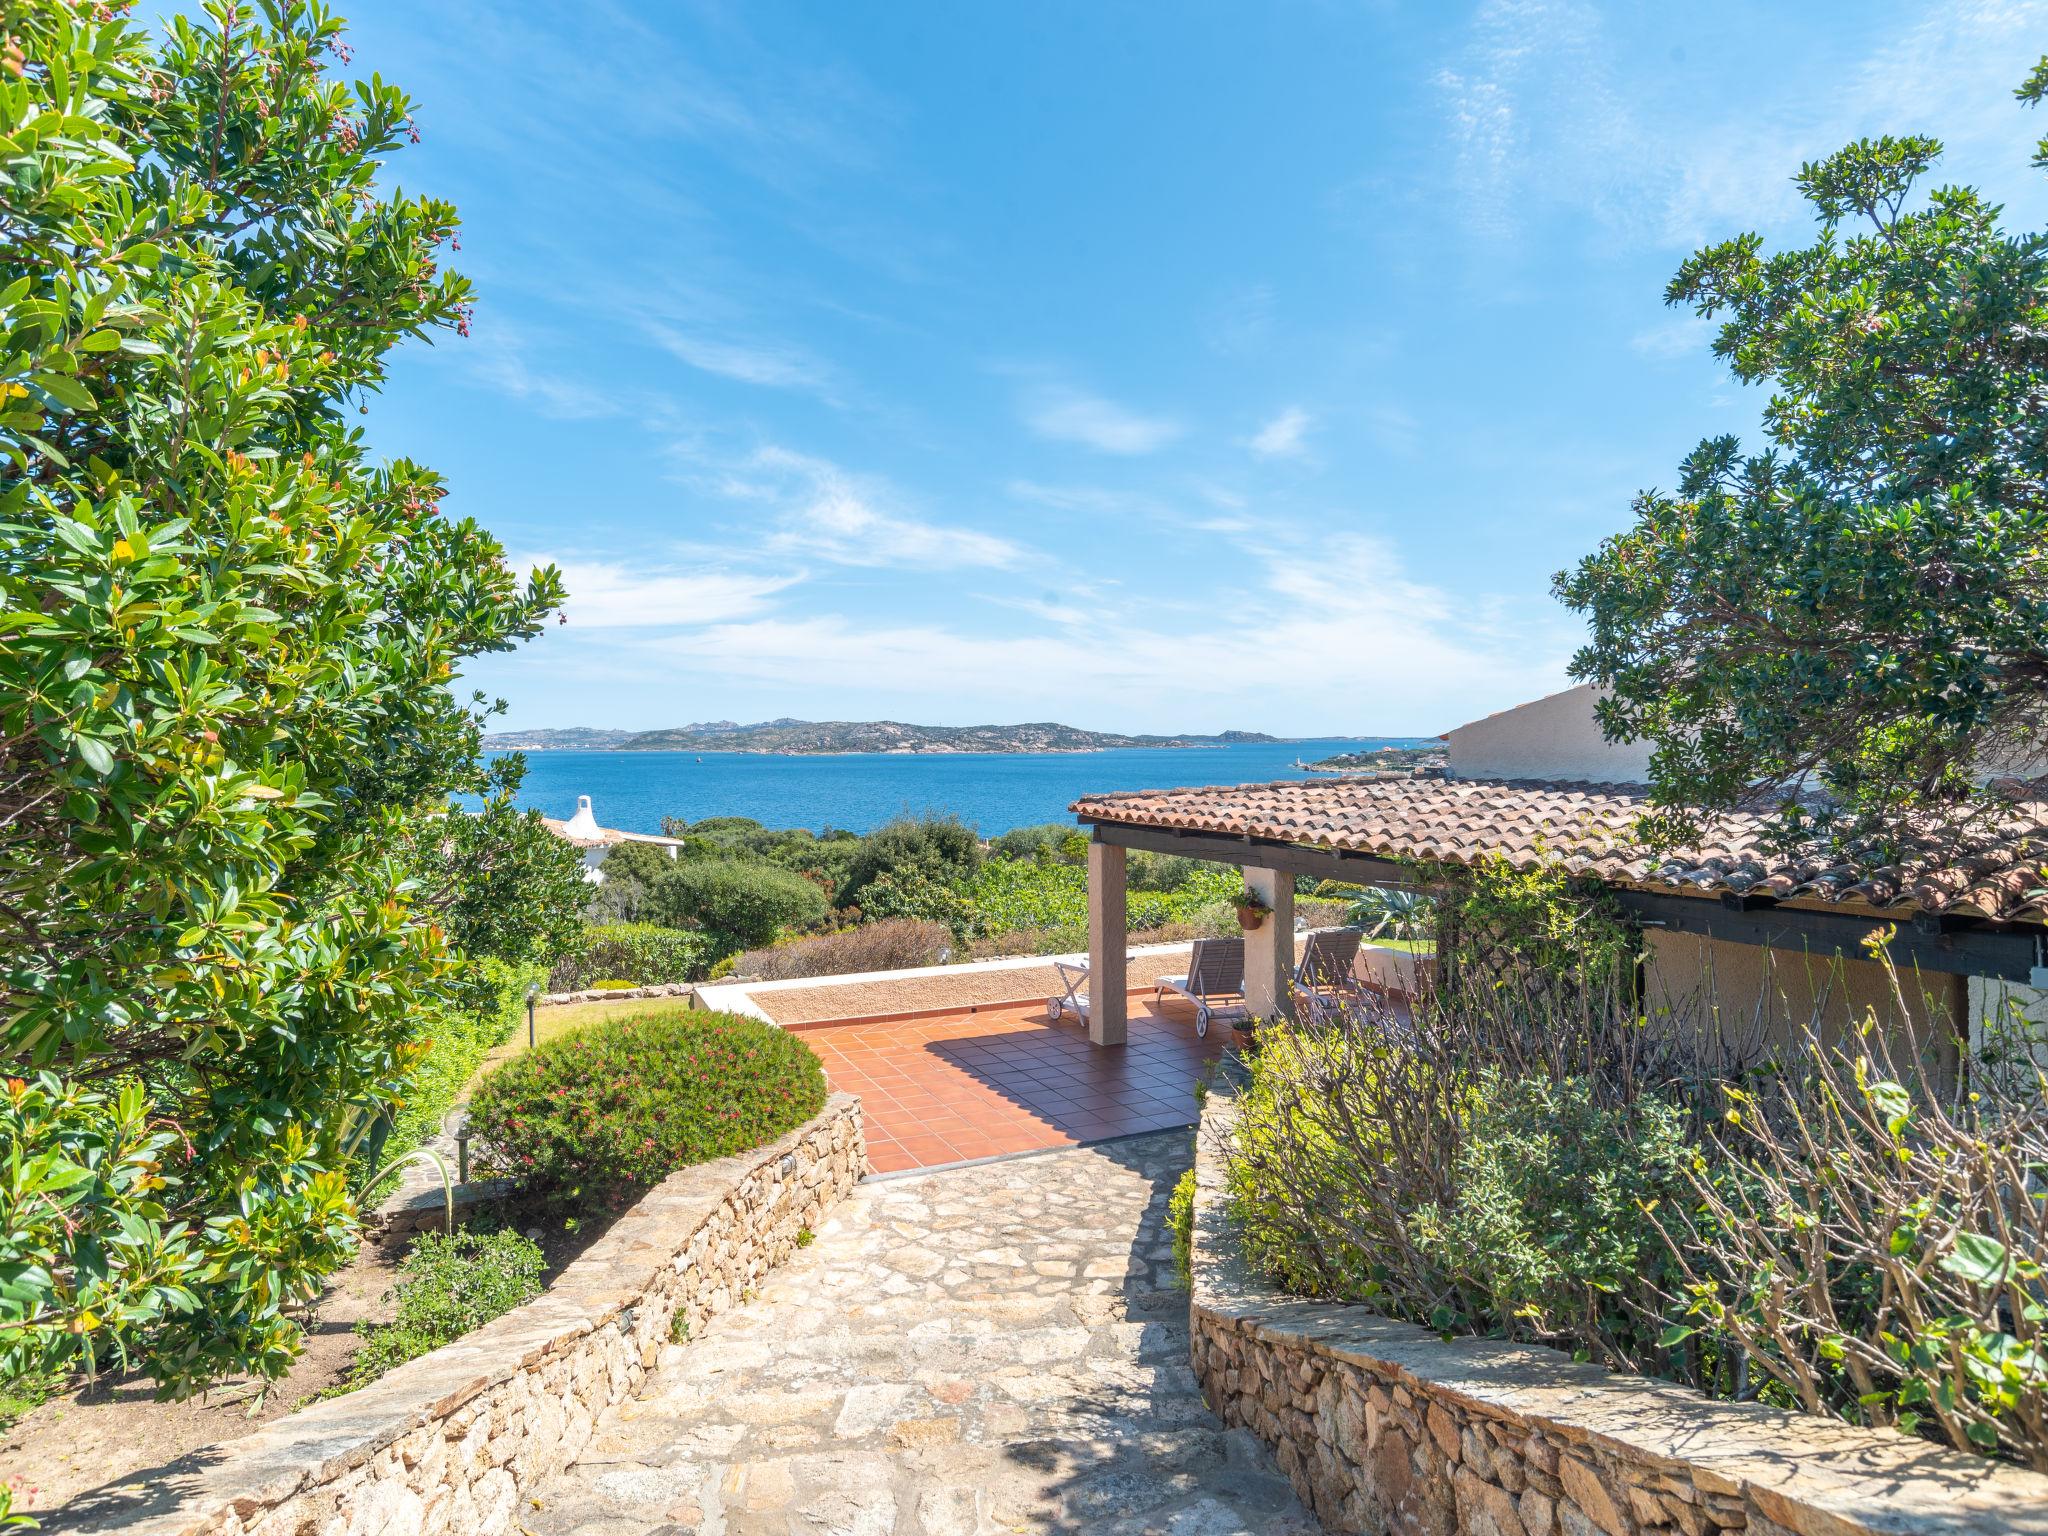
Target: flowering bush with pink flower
[(606, 1111)]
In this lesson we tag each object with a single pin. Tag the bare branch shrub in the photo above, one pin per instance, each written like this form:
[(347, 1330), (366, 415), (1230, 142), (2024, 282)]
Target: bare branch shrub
[(1763, 1201), (1877, 1253), (893, 944)]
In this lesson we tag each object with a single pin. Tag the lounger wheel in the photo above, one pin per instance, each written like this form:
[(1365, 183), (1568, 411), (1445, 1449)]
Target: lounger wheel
[(1201, 1021)]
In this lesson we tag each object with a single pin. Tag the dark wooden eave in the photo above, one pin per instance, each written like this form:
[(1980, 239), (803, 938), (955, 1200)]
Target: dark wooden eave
[(1946, 946)]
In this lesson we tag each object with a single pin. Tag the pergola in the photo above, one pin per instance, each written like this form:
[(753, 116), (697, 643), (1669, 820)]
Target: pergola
[(1970, 908)]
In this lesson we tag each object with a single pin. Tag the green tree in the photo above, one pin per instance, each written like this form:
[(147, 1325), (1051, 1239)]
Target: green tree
[(502, 885), (226, 647), (738, 903), (1865, 600), (941, 849)]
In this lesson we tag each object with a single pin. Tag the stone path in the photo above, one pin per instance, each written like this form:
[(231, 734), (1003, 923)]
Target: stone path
[(982, 1349)]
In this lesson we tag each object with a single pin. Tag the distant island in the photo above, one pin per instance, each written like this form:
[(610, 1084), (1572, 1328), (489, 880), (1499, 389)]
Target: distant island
[(1386, 762), (802, 737)]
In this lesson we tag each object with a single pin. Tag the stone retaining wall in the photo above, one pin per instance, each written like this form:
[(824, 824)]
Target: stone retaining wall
[(451, 1441), (1385, 1427)]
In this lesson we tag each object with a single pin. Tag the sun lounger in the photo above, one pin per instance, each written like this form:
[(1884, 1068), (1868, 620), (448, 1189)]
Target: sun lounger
[(1326, 978), (1214, 982), (1074, 1000)]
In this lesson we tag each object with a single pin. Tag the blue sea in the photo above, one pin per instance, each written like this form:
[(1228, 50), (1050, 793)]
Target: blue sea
[(993, 792)]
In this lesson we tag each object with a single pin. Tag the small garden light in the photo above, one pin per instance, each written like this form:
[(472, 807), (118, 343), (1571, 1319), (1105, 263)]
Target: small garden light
[(532, 996)]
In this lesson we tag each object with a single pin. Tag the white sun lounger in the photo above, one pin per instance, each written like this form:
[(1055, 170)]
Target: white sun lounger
[(1075, 1001), (1214, 982)]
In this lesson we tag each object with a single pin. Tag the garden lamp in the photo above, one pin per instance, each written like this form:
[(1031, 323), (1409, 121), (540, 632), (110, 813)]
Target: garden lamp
[(532, 995)]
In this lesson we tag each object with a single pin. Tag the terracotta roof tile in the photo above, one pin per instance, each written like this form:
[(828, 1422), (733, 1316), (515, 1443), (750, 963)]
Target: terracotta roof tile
[(1995, 873)]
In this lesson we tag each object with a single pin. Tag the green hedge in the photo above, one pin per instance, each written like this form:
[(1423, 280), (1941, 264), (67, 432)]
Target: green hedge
[(613, 1108), (646, 954)]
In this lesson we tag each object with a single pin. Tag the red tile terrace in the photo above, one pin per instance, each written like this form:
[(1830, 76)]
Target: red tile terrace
[(1002, 1080)]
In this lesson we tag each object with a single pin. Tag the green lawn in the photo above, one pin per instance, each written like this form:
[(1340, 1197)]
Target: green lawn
[(559, 1020)]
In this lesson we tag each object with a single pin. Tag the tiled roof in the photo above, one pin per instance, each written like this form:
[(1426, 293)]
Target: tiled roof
[(1987, 872), (605, 838)]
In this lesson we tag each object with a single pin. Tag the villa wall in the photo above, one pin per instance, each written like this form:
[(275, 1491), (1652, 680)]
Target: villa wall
[(1385, 1427), (452, 1441), (1686, 972), (1548, 738)]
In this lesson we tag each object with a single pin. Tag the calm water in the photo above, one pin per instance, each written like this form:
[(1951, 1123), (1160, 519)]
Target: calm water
[(859, 791)]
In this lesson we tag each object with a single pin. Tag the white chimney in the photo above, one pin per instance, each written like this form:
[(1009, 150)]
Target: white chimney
[(582, 824)]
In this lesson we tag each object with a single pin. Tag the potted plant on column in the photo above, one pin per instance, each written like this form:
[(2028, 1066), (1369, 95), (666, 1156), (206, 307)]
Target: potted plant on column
[(1252, 909)]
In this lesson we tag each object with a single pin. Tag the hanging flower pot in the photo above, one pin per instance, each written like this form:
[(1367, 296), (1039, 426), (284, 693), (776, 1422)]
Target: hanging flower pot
[(1251, 910)]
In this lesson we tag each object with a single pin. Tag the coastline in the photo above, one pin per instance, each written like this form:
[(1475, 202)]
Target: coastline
[(1149, 746)]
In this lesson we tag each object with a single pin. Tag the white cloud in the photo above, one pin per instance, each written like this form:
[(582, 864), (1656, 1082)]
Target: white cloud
[(1541, 112), (1072, 416), (498, 357), (1284, 437), (835, 516), (772, 365), (1343, 600), (1241, 322), (1679, 336), (610, 594)]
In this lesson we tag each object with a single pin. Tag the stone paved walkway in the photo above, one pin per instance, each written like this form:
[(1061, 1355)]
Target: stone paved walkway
[(982, 1349)]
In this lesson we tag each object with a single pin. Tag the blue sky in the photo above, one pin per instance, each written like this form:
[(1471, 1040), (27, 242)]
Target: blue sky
[(1147, 367)]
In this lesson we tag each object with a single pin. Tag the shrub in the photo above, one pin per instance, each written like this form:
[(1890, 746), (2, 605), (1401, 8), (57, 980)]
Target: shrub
[(642, 954), (1830, 1234), (223, 685), (644, 862), (1180, 1222), (914, 896), (448, 1286), (612, 1108), (1015, 894), (1874, 1254), (1313, 912), (1052, 841), (1439, 1172), (738, 904), (892, 945), (942, 849), (1545, 1232)]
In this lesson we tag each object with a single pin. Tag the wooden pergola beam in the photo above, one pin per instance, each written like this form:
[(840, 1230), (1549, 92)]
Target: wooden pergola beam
[(1261, 853)]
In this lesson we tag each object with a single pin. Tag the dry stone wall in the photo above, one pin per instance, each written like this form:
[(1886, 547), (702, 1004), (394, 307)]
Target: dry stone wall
[(1385, 1427), (452, 1441)]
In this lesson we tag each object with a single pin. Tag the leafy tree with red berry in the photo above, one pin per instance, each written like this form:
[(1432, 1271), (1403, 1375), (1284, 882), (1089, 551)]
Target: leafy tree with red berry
[(1862, 604), (228, 641)]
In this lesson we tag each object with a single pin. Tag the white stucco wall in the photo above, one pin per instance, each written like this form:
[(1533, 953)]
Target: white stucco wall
[(1551, 738)]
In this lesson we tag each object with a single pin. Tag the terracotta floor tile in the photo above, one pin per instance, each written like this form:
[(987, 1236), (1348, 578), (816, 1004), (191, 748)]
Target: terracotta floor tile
[(974, 1085)]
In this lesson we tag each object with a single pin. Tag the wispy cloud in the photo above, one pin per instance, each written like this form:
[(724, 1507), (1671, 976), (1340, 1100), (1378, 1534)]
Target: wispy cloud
[(1346, 600), (1539, 115), (610, 594), (1074, 416), (772, 365), (850, 520), (1284, 437), (1241, 322), (1679, 336), (499, 357)]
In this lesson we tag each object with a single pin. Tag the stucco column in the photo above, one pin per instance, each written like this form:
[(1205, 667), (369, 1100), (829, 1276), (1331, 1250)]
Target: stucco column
[(1108, 1002), (1269, 948)]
